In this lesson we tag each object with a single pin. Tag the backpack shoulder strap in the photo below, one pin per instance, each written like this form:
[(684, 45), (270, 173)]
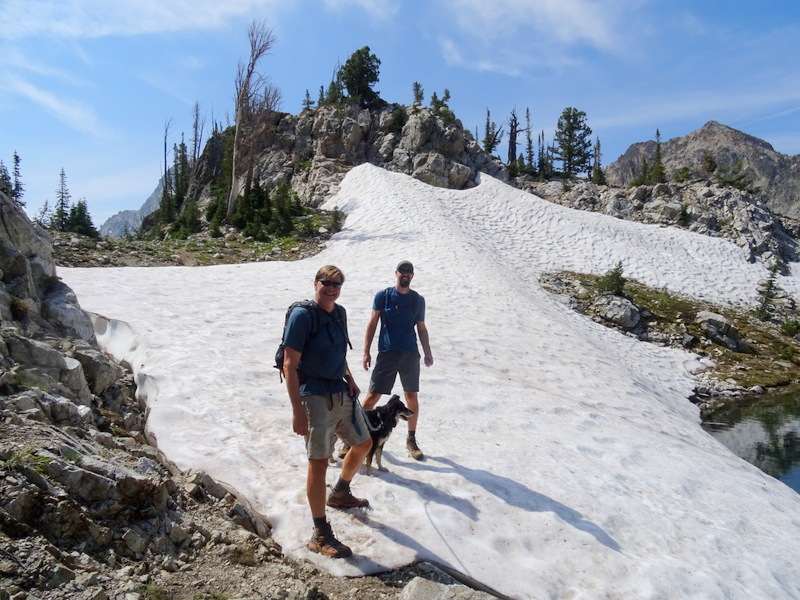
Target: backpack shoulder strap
[(341, 314), (414, 304), (312, 308), (386, 293)]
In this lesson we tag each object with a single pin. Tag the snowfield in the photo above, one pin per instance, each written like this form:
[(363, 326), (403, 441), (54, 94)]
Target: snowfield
[(563, 459)]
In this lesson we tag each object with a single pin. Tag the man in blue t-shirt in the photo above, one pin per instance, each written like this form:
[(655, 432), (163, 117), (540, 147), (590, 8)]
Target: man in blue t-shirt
[(323, 395), (401, 312)]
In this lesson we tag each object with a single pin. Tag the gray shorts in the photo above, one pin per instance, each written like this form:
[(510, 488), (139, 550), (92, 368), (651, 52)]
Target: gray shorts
[(330, 417), (388, 365)]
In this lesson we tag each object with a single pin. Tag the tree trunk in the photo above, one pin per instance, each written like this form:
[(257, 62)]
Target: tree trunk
[(248, 87)]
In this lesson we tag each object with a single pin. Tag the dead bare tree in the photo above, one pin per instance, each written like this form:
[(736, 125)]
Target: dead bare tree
[(166, 190), (262, 111), (198, 124), (513, 132), (256, 99)]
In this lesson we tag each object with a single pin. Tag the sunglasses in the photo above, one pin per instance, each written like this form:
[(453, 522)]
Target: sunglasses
[(404, 272), (333, 284)]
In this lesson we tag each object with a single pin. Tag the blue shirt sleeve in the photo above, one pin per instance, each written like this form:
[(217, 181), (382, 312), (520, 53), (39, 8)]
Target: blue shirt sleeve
[(298, 328)]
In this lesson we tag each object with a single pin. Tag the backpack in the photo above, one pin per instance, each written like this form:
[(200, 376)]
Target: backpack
[(314, 309), (414, 302)]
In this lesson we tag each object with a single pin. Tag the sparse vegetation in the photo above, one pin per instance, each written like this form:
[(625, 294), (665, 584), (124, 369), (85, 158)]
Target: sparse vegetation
[(26, 457), (612, 281), (682, 175), (790, 327), (766, 295), (149, 591), (774, 362)]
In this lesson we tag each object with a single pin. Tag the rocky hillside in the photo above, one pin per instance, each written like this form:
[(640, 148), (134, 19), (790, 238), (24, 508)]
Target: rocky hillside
[(776, 176), (89, 510), (312, 151)]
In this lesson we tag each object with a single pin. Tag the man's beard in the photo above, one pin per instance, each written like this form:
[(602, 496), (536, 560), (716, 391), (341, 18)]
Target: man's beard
[(404, 282)]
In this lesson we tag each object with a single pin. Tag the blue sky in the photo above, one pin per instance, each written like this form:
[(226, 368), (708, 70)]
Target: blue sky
[(88, 85)]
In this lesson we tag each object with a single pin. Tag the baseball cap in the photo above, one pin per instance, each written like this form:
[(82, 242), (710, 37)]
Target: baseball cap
[(405, 265)]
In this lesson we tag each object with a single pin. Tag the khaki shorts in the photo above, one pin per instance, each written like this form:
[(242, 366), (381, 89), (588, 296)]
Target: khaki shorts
[(330, 417)]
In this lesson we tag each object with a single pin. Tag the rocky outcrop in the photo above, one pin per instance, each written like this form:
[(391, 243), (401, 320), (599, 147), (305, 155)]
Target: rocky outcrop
[(312, 151), (775, 176)]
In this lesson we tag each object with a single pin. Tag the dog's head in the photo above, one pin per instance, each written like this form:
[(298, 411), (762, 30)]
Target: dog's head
[(398, 410)]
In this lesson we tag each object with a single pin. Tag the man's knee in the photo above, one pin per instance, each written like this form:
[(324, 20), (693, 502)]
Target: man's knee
[(371, 400), (363, 447)]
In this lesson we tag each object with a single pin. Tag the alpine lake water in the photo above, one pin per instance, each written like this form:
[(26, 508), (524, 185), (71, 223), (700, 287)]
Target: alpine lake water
[(764, 431)]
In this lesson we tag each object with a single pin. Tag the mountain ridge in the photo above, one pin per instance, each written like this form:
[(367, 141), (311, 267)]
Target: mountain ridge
[(775, 177)]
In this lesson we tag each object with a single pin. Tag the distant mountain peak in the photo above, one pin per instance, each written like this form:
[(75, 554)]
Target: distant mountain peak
[(776, 176)]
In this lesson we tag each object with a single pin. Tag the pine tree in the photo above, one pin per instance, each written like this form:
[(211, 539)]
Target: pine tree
[(5, 181), (767, 292), (307, 101), (335, 93), (17, 189), (440, 107), (598, 176), (358, 74), (60, 219), (419, 94), (529, 142), (43, 215), (573, 143), (80, 221), (642, 177), (657, 173), (543, 165), (181, 173), (492, 134), (544, 160)]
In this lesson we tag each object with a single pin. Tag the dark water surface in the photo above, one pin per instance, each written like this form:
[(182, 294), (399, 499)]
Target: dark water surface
[(765, 432)]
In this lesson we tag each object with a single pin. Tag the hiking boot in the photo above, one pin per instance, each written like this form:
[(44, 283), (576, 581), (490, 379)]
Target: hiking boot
[(324, 542), (413, 450), (343, 451), (346, 500)]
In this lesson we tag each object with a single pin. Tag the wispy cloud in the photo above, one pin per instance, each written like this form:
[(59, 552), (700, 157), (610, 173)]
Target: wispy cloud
[(378, 9), (593, 23), (99, 18), (524, 35), (453, 56), (74, 114)]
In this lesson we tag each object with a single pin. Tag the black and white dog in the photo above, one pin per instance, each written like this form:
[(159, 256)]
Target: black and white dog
[(382, 420)]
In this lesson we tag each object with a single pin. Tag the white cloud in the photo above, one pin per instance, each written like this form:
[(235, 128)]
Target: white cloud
[(598, 24), (74, 114), (520, 35), (99, 18), (453, 56), (378, 9)]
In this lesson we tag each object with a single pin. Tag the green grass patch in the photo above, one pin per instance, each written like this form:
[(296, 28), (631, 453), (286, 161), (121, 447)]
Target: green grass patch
[(774, 362)]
